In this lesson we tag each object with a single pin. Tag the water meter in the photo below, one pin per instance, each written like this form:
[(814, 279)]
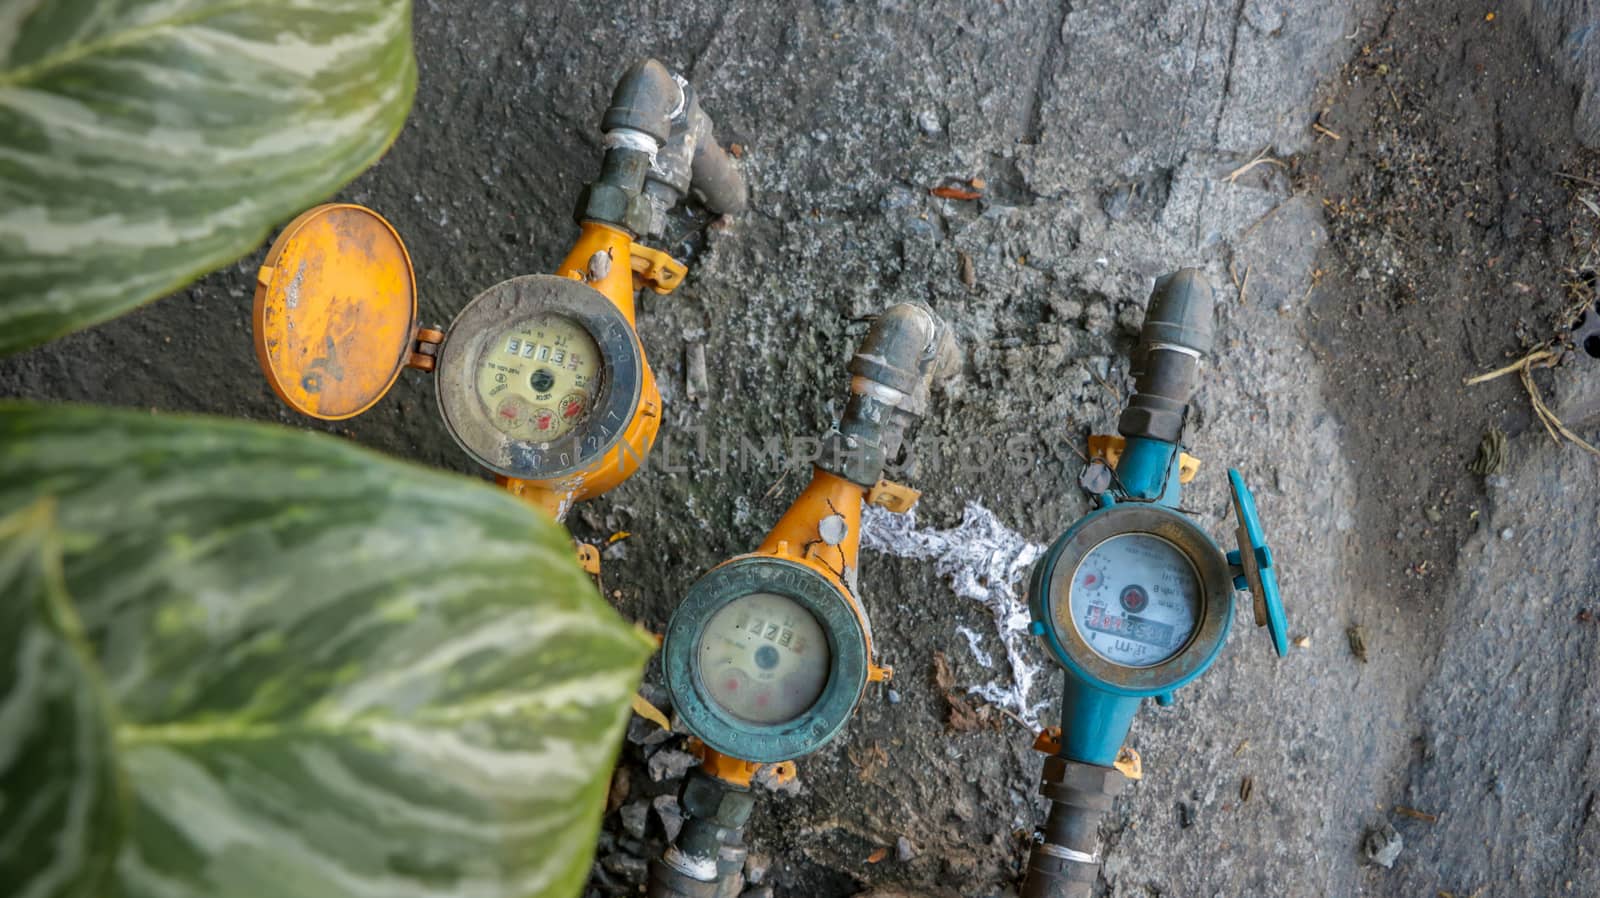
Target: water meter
[(1135, 599), (769, 653), (541, 379)]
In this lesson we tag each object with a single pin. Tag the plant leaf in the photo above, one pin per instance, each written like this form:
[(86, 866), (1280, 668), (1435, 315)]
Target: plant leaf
[(336, 674), (146, 142), (60, 813)]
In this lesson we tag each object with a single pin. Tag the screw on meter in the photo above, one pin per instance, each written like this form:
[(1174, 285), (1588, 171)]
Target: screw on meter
[(539, 376), (765, 659), (1136, 599)]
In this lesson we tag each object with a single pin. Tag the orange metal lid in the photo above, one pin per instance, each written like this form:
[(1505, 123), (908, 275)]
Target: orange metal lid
[(335, 311)]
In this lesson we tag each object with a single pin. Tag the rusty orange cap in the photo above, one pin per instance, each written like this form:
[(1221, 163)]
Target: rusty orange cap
[(335, 311)]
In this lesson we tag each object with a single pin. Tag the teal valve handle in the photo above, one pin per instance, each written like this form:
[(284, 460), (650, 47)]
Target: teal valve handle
[(1256, 570)]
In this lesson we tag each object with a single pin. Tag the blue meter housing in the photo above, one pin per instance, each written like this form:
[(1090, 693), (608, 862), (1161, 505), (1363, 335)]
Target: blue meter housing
[(1104, 691), (1135, 600), (1101, 695)]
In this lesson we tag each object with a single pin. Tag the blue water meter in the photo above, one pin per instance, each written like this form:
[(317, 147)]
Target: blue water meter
[(1135, 600)]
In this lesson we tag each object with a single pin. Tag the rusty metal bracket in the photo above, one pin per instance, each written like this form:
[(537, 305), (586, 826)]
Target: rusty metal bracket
[(589, 558), (895, 497), (1110, 448), (655, 269), (425, 351)]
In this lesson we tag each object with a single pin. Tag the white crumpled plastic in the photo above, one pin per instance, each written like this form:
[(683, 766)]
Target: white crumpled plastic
[(985, 561)]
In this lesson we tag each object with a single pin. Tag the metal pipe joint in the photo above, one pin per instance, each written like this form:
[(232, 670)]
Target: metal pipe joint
[(707, 859), (1166, 365), (906, 350), (1065, 859), (659, 147)]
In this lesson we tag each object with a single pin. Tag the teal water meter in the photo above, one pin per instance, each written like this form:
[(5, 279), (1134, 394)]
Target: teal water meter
[(1135, 600)]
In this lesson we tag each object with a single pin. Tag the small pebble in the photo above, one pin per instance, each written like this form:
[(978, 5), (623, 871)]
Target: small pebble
[(646, 732), (928, 121), (905, 849), (671, 764), (756, 866), (670, 814), (635, 815), (1507, 533), (894, 697), (1383, 845)]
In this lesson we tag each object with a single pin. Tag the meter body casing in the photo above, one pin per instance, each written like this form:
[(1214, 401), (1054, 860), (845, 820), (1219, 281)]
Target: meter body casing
[(819, 574), (626, 268), (336, 321), (1099, 698)]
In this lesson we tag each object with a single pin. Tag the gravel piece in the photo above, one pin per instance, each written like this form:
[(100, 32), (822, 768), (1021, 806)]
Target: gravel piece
[(670, 814), (1382, 846), (671, 764)]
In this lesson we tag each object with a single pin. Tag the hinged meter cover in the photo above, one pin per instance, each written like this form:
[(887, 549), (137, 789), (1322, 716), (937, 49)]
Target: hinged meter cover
[(1255, 560), (335, 311)]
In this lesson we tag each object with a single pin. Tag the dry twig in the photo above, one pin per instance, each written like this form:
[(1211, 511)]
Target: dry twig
[(1524, 369), (1261, 158), (1535, 356)]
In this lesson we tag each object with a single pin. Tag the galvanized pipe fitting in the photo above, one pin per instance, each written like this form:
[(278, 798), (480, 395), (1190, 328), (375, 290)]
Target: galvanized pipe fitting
[(707, 860), (636, 124), (691, 161), (906, 350), (1166, 365), (1065, 859)]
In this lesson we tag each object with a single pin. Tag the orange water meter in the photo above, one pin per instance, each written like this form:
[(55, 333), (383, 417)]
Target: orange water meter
[(542, 379)]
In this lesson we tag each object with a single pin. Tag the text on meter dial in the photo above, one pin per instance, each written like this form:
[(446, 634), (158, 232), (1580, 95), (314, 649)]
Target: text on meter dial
[(763, 658), (538, 377), (1135, 600)]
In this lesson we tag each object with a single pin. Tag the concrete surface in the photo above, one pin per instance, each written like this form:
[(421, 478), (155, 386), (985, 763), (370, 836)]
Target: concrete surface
[(1104, 134)]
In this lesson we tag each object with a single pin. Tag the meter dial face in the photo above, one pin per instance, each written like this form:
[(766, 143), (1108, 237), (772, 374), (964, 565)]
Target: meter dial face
[(536, 377), (763, 658), (540, 377), (1136, 600)]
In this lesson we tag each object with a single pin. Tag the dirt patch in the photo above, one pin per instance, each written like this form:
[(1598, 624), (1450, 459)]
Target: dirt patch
[(1449, 256)]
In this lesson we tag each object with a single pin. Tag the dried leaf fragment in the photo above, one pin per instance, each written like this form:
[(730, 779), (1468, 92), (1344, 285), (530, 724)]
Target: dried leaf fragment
[(1358, 645)]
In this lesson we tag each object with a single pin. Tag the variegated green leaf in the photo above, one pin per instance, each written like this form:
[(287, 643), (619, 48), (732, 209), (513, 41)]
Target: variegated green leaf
[(146, 142), (336, 674), (60, 813)]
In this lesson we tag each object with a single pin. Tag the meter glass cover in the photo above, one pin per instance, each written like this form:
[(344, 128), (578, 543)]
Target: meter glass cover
[(1136, 600), (763, 658), (537, 377)]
